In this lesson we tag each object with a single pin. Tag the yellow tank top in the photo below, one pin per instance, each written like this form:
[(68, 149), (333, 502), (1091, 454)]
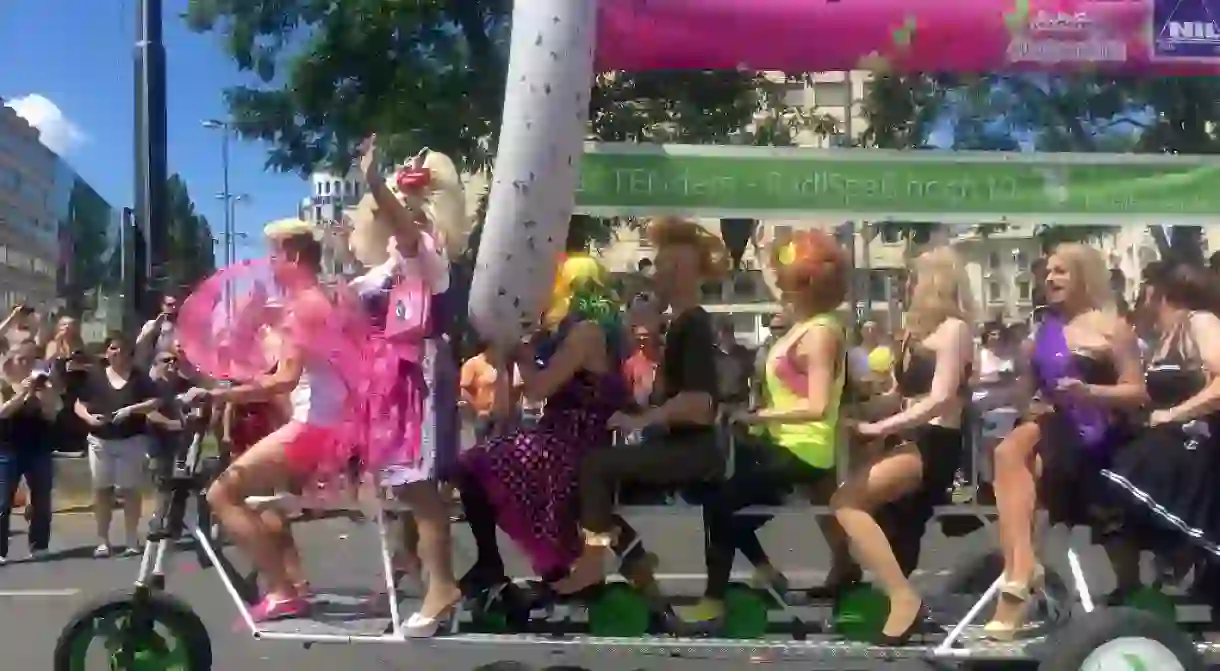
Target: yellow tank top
[(785, 388)]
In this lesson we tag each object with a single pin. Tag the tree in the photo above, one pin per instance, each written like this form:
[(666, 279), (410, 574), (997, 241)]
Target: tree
[(191, 255), (91, 222)]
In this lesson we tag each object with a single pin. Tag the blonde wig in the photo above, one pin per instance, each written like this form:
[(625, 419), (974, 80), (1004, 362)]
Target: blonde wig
[(1089, 275), (428, 185), (942, 291)]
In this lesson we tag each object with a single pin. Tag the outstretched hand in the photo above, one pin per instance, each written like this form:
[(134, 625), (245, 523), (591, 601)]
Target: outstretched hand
[(368, 159)]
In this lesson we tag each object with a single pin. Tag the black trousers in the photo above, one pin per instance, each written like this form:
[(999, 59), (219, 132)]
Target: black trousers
[(764, 474), (691, 457)]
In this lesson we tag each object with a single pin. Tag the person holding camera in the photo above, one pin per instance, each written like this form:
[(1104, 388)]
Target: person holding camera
[(68, 363), (158, 335), (114, 405), (28, 407), (21, 325)]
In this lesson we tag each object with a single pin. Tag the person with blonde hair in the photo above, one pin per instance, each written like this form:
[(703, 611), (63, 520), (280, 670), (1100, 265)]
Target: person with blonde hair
[(29, 403), (292, 452), (525, 481), (1085, 364), (902, 485), (680, 445), (404, 231)]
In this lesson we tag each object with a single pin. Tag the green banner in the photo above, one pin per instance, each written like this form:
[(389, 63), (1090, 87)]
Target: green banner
[(764, 182)]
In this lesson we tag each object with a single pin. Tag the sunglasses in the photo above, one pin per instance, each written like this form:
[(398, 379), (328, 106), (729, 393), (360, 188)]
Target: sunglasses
[(170, 359)]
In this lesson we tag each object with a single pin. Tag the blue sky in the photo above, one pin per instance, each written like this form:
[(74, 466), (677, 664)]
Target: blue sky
[(77, 54)]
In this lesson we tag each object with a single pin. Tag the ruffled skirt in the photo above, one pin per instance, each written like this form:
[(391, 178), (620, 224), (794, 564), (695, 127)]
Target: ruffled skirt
[(1168, 482)]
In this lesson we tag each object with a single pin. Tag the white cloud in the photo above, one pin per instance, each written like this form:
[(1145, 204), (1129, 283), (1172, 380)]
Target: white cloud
[(58, 132)]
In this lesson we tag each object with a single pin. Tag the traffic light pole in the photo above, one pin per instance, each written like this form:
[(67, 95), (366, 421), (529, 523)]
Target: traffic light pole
[(148, 278)]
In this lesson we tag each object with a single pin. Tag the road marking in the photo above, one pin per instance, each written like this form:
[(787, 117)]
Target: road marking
[(37, 593)]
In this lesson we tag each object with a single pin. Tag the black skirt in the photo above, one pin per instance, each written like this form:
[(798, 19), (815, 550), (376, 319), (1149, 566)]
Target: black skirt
[(1167, 482), (1071, 488)]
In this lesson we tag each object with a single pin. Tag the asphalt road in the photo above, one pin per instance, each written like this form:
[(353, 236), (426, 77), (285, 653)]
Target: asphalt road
[(38, 598)]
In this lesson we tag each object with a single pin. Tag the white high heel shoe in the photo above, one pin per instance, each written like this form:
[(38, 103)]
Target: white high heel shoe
[(420, 626)]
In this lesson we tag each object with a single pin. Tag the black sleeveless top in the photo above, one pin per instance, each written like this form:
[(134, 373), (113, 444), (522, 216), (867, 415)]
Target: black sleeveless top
[(27, 428), (915, 368), (1175, 374)]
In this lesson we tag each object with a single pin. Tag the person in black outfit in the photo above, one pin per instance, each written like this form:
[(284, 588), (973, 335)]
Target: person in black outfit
[(113, 405), (680, 446), (28, 406)]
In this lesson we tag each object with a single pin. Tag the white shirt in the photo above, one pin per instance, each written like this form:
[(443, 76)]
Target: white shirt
[(319, 396), (430, 264)]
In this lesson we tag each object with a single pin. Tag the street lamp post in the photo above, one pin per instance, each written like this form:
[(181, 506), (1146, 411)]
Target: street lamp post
[(226, 130)]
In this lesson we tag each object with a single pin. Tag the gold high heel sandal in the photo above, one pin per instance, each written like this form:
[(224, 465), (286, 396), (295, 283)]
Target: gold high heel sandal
[(1022, 594)]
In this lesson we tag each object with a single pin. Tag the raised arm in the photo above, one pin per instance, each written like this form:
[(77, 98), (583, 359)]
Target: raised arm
[(388, 205)]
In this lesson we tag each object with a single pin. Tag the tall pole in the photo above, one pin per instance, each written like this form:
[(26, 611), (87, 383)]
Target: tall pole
[(150, 146), (228, 197)]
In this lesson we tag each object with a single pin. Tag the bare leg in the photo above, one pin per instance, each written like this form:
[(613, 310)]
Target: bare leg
[(279, 530), (103, 504), (406, 558), (435, 546), (1016, 501), (260, 468), (841, 563), (132, 508), (888, 479)]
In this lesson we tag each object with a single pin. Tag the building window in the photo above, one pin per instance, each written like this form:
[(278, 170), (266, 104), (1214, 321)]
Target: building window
[(795, 95), (995, 292), (1024, 291), (891, 234), (993, 260), (712, 291), (832, 94), (876, 286), (743, 286), (1020, 259)]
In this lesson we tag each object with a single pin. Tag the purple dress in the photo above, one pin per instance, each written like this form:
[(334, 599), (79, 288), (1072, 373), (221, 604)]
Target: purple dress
[(530, 475)]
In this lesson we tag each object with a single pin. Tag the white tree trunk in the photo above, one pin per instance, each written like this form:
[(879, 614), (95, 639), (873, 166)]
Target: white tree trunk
[(533, 190)]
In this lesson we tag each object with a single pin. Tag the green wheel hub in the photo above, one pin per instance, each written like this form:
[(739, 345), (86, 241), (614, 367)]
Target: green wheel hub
[(745, 613), (149, 650), (619, 611), (860, 613)]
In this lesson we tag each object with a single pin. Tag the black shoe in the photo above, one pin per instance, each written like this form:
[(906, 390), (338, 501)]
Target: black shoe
[(922, 624)]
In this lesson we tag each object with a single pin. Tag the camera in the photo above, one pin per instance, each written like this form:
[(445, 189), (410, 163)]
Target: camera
[(40, 378)]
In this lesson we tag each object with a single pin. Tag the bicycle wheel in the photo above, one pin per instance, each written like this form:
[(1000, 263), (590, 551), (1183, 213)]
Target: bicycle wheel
[(174, 640)]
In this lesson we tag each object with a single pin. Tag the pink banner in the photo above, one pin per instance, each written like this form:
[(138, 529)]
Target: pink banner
[(1142, 37)]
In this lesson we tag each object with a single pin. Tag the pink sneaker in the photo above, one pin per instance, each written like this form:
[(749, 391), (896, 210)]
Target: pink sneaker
[(271, 608)]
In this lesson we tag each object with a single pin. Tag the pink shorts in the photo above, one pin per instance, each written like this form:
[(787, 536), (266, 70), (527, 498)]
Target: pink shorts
[(308, 447)]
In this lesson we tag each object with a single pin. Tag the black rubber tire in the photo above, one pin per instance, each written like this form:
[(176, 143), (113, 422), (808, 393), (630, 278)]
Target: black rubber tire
[(975, 574), (163, 608), (1068, 647)]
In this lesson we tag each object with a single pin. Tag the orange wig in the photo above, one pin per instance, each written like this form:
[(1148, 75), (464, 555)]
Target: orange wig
[(814, 266)]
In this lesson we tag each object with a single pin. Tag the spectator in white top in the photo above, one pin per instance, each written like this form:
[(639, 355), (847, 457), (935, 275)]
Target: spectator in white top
[(157, 335)]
